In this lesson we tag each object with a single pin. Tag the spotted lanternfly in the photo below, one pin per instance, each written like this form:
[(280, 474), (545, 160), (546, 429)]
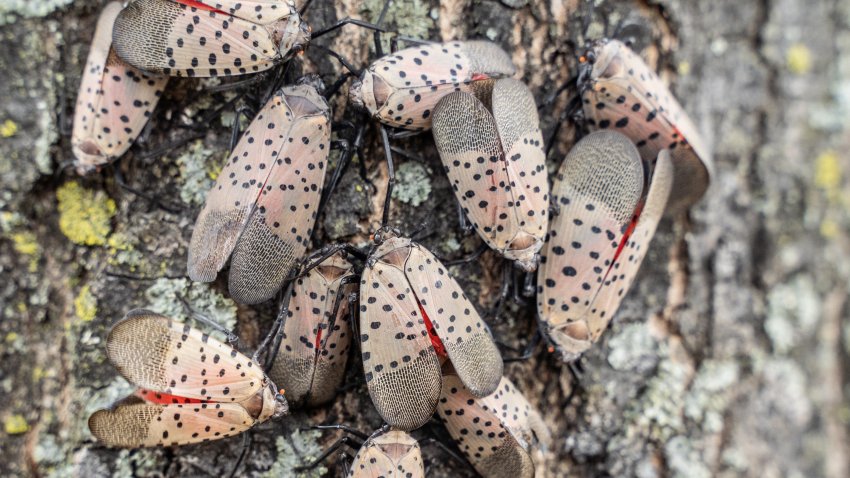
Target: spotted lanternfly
[(209, 37), (496, 164), (391, 454), (317, 335), (193, 388), (620, 92), (263, 206), (114, 103), (599, 237), (402, 88), (413, 318), (495, 432)]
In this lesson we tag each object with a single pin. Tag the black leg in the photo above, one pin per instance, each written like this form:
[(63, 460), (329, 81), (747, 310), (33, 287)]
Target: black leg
[(391, 179), (246, 449), (433, 441), (528, 285), (572, 107), (503, 294), (194, 314), (528, 350), (344, 161), (379, 50), (470, 258), (344, 441), (347, 21)]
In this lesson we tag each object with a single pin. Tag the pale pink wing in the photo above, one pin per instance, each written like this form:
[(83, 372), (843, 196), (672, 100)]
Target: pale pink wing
[(519, 129), (134, 423), (154, 352), (462, 331), (597, 189), (114, 102), (468, 141), (167, 37), (402, 368), (627, 264), (479, 433), (263, 206), (394, 454), (261, 12), (417, 78), (624, 94), (518, 415), (312, 356)]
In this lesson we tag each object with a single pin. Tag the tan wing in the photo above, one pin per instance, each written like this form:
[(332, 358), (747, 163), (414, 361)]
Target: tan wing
[(393, 454), (624, 94), (519, 129), (134, 423), (167, 37), (487, 443), (463, 332), (402, 368), (263, 206), (467, 139), (518, 415), (625, 268), (311, 361), (410, 82), (154, 352), (597, 189), (261, 12), (114, 102)]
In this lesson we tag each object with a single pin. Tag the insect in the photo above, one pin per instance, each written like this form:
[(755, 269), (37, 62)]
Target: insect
[(193, 388), (264, 204), (317, 335), (598, 239), (114, 102), (402, 88), (413, 318), (495, 432), (620, 92), (209, 38), (389, 453), (496, 164)]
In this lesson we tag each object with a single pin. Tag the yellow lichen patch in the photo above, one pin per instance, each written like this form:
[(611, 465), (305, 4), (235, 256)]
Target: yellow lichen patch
[(25, 243), (84, 215), (8, 129), (829, 229), (15, 425), (684, 68), (799, 59), (85, 304), (828, 172), (11, 337)]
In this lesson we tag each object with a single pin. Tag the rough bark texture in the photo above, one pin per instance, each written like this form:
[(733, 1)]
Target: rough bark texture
[(728, 358)]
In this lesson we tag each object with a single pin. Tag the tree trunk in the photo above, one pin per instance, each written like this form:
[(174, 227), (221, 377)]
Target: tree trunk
[(728, 357)]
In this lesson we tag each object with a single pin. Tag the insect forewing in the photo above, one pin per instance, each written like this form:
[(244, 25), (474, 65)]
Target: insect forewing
[(134, 422), (518, 415), (625, 268), (157, 353), (311, 361), (402, 367), (621, 92), (114, 102), (481, 435), (461, 330), (263, 206), (402, 89), (393, 454), (172, 38), (597, 189), (261, 12)]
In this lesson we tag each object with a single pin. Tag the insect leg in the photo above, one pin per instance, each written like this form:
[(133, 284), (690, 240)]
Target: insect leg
[(194, 314), (442, 446), (528, 350), (466, 260), (344, 441), (247, 440), (344, 463), (391, 179), (569, 113), (275, 335), (344, 161)]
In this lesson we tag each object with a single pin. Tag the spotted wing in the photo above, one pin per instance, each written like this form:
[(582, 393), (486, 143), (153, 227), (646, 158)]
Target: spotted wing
[(519, 130), (420, 76), (401, 365), (114, 102), (627, 264), (134, 423), (480, 434), (518, 415), (312, 356), (261, 12), (629, 97), (176, 39), (263, 206), (468, 141), (597, 190), (463, 332), (154, 352)]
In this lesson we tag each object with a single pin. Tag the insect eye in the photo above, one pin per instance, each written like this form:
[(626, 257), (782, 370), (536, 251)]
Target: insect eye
[(591, 57)]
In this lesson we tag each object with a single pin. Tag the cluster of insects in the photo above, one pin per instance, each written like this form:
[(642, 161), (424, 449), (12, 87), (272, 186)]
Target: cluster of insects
[(425, 349)]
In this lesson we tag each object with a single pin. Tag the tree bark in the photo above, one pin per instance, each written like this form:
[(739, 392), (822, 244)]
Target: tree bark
[(728, 357)]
